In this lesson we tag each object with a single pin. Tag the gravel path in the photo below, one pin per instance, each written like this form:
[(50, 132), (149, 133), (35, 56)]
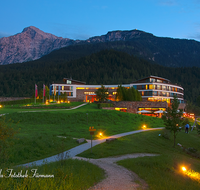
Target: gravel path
[(118, 177)]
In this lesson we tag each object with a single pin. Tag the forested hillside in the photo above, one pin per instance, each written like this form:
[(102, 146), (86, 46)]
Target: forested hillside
[(104, 67)]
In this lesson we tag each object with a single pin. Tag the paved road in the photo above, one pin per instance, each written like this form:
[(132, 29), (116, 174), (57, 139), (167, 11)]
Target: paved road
[(81, 148)]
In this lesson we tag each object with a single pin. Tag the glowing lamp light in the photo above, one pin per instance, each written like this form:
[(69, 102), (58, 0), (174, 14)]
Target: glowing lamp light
[(101, 134), (0, 106), (144, 127), (58, 102), (184, 169)]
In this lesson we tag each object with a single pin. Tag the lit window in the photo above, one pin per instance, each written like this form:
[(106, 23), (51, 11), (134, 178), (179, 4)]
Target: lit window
[(69, 82)]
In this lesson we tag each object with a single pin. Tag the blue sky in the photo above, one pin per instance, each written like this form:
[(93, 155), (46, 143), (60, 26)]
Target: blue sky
[(81, 19)]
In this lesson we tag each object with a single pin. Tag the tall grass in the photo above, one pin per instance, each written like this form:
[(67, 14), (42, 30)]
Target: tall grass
[(68, 174)]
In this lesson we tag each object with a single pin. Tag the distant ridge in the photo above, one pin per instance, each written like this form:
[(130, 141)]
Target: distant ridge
[(33, 44)]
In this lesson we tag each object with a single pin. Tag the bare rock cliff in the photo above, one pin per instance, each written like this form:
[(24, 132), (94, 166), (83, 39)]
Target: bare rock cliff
[(117, 36), (31, 44)]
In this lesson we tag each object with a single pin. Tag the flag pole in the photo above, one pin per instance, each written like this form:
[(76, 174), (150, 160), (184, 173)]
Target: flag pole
[(54, 93), (49, 92), (43, 92), (35, 93)]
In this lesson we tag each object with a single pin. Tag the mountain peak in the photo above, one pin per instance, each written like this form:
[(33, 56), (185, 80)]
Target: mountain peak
[(33, 31), (31, 44), (31, 28)]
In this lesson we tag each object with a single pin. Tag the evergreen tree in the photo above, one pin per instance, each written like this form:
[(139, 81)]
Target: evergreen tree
[(102, 93), (172, 118)]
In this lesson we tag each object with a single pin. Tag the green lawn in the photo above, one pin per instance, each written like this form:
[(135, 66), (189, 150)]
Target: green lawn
[(38, 132), (37, 139), (160, 172)]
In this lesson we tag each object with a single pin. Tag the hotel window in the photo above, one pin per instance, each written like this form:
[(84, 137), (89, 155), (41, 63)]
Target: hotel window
[(134, 86), (69, 82), (152, 80), (142, 93), (147, 86), (143, 87), (164, 88), (154, 93), (89, 93), (151, 86), (159, 87), (62, 87)]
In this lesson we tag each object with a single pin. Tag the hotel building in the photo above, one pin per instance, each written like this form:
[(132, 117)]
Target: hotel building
[(152, 88)]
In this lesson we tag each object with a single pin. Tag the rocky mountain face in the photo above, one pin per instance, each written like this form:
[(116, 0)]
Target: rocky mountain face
[(31, 44), (118, 36)]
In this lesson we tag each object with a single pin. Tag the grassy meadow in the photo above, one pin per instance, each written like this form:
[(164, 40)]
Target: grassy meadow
[(37, 138), (38, 132), (162, 171)]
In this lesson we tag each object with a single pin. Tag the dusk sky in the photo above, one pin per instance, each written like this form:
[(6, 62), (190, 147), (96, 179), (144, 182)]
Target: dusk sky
[(81, 19)]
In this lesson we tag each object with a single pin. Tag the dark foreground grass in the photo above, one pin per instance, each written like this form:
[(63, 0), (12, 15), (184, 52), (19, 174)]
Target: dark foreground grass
[(68, 174), (38, 132), (160, 172), (164, 172)]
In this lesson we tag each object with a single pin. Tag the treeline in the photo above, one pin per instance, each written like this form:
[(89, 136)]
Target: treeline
[(104, 67)]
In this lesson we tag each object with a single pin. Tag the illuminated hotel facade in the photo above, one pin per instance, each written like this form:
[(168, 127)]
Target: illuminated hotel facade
[(155, 88), (152, 88)]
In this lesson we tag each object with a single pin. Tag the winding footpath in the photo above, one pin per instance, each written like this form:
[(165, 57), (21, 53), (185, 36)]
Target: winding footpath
[(117, 177), (81, 148)]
